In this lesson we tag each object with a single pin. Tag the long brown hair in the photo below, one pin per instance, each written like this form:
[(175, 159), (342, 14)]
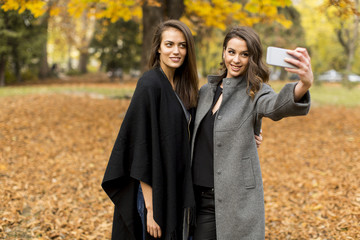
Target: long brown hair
[(257, 72), (186, 80)]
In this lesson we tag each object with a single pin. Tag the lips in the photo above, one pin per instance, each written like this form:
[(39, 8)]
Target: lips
[(175, 59), (235, 68)]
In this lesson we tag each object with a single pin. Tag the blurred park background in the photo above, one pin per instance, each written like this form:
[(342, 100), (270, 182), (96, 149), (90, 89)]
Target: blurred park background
[(68, 69)]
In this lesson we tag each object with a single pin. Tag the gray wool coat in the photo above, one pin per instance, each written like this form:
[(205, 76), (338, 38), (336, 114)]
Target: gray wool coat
[(239, 194)]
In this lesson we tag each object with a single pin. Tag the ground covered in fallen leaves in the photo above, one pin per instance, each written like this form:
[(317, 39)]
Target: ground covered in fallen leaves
[(54, 149)]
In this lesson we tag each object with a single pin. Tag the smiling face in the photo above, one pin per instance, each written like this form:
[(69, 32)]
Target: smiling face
[(236, 57), (172, 50)]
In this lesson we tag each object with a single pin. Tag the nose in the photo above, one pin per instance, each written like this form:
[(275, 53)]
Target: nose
[(176, 50), (237, 58)]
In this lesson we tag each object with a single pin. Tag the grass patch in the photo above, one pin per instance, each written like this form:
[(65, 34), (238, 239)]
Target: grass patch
[(111, 92), (334, 94), (321, 95)]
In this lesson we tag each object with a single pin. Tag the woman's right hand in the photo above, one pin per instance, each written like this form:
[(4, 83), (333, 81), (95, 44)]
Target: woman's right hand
[(152, 227), (258, 140)]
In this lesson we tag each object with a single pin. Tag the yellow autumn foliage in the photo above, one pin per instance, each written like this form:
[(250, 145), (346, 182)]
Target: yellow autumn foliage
[(221, 13), (342, 9), (115, 9), (37, 7), (216, 13)]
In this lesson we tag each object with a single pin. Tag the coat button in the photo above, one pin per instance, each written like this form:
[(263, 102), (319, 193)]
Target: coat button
[(219, 117), (220, 200), (218, 172), (219, 144), (228, 82)]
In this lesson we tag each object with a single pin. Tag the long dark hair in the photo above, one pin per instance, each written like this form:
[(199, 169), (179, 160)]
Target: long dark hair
[(257, 72), (186, 80)]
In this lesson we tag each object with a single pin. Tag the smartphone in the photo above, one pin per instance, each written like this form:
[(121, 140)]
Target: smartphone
[(275, 56)]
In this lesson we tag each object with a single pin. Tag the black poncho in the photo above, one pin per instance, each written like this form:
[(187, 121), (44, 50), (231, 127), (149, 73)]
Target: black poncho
[(152, 146)]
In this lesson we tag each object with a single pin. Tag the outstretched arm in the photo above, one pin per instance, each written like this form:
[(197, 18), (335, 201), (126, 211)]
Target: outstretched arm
[(304, 71)]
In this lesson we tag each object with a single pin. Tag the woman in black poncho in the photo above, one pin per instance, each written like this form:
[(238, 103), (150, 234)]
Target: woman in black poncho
[(152, 147)]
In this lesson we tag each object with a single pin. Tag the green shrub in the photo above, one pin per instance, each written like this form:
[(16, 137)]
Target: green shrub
[(9, 78), (29, 75), (73, 72)]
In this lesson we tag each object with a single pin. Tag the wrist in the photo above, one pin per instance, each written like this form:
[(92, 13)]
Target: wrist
[(304, 85)]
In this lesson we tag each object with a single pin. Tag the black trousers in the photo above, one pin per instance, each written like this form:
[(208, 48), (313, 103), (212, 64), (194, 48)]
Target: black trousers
[(205, 214)]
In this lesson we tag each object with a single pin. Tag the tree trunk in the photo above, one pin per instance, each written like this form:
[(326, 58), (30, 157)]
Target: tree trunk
[(44, 66), (69, 62), (44, 70), (349, 41), (87, 34), (2, 70), (84, 57), (174, 9), (353, 42), (102, 66), (204, 59), (152, 16), (16, 60), (283, 74)]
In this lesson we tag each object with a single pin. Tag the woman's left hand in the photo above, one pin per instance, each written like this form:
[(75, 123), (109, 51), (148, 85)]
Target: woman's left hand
[(303, 64)]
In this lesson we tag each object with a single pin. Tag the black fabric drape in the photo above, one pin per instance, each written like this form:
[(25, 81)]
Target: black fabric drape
[(152, 146)]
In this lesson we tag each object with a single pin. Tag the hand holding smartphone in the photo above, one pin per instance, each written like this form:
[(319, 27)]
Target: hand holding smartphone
[(275, 56)]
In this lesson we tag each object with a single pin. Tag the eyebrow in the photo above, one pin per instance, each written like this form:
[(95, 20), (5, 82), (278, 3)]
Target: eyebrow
[(246, 51), (173, 41)]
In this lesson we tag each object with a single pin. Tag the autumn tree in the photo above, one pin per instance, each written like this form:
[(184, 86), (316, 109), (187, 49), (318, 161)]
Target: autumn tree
[(40, 9), (43, 63), (5, 35), (83, 40), (344, 15), (20, 45), (115, 49), (320, 37), (81, 30), (278, 35)]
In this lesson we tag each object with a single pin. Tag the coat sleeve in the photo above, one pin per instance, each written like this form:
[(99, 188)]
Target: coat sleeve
[(134, 147), (131, 159), (279, 105)]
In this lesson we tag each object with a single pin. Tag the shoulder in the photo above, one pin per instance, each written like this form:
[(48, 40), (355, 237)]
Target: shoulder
[(213, 81), (149, 79), (264, 90), (205, 88), (151, 83)]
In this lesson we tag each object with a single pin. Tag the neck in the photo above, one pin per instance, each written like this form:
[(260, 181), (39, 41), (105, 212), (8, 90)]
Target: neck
[(169, 74)]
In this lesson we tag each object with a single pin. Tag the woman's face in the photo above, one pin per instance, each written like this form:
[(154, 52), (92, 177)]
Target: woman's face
[(172, 49), (236, 57)]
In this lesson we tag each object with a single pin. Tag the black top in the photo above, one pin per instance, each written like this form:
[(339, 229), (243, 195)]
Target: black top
[(203, 159), (152, 146)]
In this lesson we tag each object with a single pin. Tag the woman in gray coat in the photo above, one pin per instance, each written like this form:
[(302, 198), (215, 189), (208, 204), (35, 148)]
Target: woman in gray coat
[(225, 162)]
